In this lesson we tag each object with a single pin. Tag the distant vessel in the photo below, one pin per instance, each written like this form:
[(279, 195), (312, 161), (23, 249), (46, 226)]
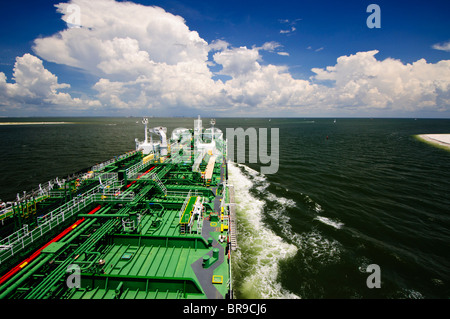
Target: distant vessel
[(156, 222)]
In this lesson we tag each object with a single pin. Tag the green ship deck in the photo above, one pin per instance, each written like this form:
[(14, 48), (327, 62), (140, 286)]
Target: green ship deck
[(137, 227)]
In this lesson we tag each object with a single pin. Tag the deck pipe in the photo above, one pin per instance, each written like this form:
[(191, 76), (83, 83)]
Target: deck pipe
[(20, 266), (25, 276), (42, 289), (67, 240)]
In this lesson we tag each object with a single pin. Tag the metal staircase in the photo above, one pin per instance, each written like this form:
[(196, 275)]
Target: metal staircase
[(160, 184)]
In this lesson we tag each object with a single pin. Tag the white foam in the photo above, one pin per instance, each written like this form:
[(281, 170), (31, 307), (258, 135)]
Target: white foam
[(308, 199), (260, 181), (318, 208), (330, 222), (316, 248), (281, 200), (260, 248), (411, 294)]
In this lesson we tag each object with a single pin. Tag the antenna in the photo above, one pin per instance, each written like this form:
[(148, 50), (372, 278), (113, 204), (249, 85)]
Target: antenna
[(145, 122), (213, 122)]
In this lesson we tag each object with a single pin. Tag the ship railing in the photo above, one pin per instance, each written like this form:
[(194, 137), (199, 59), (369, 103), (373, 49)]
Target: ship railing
[(21, 238), (176, 194), (48, 189), (177, 159), (6, 212), (101, 166), (113, 186), (136, 168), (67, 210), (114, 197), (31, 195), (57, 193), (75, 204), (133, 170), (232, 229), (180, 213), (105, 176), (180, 193), (7, 244), (136, 172)]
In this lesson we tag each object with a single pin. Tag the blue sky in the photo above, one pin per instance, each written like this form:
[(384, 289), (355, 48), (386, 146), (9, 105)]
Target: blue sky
[(244, 58)]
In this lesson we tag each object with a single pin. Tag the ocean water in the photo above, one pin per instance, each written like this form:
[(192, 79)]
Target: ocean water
[(346, 195)]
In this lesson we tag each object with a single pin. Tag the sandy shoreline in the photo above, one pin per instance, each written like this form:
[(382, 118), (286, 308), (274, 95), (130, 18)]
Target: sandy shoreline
[(441, 140), (32, 123)]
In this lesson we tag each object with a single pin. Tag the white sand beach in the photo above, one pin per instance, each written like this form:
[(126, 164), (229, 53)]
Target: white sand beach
[(442, 140), (32, 123)]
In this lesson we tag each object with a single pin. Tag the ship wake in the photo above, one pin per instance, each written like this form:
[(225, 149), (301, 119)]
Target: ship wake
[(255, 263)]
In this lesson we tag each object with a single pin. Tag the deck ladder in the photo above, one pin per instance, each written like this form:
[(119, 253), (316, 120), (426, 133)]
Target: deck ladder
[(158, 182)]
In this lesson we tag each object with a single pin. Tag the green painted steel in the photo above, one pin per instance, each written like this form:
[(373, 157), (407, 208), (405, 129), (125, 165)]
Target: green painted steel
[(141, 244), (187, 213)]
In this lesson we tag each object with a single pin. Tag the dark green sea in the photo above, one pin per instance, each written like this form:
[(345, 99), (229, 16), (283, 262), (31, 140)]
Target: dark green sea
[(370, 193)]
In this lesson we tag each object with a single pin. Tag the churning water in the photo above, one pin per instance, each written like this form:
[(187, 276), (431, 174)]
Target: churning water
[(346, 195)]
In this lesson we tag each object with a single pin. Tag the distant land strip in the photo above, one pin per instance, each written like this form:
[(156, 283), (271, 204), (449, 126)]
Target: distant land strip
[(33, 123), (440, 140)]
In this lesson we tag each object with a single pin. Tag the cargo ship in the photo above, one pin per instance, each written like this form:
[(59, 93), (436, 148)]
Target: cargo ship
[(157, 222)]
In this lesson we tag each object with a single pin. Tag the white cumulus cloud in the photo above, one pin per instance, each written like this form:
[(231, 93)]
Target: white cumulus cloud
[(143, 57), (442, 46), (35, 85), (238, 61), (363, 81), (121, 32)]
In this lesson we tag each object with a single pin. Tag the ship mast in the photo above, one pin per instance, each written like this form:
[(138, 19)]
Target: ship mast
[(145, 122), (213, 122)]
